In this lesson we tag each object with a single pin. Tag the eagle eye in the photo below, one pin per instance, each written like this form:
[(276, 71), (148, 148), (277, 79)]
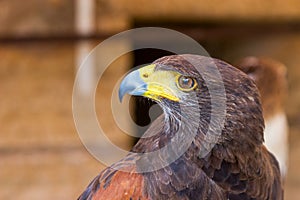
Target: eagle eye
[(186, 83)]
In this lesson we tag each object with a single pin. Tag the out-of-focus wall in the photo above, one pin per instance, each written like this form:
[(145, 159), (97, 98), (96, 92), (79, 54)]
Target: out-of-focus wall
[(36, 18)]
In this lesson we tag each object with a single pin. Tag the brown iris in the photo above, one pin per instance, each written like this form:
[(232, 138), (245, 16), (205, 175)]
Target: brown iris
[(186, 83)]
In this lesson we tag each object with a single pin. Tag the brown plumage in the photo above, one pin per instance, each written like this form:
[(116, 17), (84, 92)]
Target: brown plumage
[(237, 166), (270, 78)]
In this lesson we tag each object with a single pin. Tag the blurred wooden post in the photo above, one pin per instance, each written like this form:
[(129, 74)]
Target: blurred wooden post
[(85, 22)]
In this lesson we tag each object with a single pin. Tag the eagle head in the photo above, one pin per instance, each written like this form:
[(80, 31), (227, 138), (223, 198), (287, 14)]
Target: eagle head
[(202, 94)]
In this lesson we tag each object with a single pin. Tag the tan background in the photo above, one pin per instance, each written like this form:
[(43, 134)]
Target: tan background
[(41, 156)]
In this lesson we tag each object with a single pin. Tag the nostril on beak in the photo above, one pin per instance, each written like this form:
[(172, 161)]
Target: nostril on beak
[(145, 75)]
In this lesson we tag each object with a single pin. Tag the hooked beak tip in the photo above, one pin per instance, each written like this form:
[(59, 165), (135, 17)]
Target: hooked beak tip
[(132, 84)]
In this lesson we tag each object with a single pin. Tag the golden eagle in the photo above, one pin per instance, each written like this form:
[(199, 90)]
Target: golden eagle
[(230, 162)]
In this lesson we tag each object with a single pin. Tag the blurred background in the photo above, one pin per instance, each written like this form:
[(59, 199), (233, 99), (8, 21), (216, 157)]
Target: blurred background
[(42, 43)]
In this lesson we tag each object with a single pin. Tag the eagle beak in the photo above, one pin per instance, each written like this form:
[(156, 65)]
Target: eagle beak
[(148, 83), (132, 84)]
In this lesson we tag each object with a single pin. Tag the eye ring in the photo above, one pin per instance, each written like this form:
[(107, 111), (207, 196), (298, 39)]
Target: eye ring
[(186, 83)]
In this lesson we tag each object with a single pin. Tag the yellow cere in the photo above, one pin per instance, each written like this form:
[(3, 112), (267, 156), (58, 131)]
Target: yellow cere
[(159, 83)]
